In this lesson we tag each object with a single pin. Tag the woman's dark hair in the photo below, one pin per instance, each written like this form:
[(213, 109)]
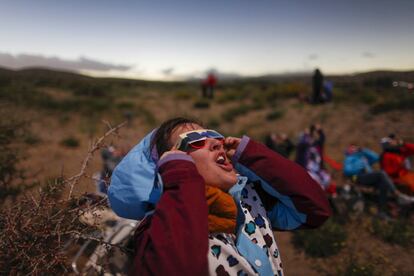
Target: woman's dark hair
[(162, 136)]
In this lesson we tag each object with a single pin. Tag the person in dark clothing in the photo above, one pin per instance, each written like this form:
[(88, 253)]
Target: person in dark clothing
[(280, 143), (111, 156), (317, 83), (302, 148), (309, 152), (204, 88), (270, 140), (318, 140), (312, 137)]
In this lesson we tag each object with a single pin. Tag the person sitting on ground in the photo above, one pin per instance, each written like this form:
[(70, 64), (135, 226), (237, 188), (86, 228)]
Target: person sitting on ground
[(309, 156), (327, 91), (280, 143), (302, 148), (358, 166), (210, 204), (317, 83), (318, 141), (395, 162), (111, 156)]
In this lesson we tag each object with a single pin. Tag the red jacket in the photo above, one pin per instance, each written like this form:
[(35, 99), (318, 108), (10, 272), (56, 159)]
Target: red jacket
[(174, 239), (393, 162), (211, 80)]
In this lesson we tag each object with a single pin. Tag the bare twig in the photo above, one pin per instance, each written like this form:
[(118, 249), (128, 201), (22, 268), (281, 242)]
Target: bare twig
[(99, 240), (94, 147), (33, 200), (107, 124)]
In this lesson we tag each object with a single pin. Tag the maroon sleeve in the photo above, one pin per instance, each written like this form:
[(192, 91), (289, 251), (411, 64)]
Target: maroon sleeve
[(174, 240), (287, 178)]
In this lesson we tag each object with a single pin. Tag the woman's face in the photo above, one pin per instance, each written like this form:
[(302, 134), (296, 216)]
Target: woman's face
[(209, 160)]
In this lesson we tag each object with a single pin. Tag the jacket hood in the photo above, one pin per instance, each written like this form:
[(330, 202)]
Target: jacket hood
[(135, 186)]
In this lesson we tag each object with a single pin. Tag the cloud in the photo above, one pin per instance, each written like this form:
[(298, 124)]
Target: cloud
[(313, 57), (368, 54), (168, 71), (82, 63)]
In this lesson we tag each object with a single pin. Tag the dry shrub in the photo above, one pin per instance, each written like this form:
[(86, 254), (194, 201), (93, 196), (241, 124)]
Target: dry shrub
[(399, 231), (70, 142), (35, 229), (201, 104), (325, 241), (33, 232)]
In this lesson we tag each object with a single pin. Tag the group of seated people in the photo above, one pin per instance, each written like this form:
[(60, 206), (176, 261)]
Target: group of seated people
[(395, 172), (358, 166)]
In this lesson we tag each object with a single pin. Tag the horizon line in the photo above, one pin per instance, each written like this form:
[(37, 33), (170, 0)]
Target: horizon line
[(193, 77)]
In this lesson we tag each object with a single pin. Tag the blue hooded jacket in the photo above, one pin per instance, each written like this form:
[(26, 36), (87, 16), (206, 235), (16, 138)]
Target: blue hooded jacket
[(359, 162)]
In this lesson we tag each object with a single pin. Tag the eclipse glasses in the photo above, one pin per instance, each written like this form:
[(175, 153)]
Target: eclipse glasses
[(196, 139)]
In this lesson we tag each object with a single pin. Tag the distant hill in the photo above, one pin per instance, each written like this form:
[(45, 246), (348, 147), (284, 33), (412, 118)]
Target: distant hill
[(49, 76), (376, 78), (42, 77), (53, 76)]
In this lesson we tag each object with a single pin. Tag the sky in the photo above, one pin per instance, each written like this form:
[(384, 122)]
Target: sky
[(178, 39)]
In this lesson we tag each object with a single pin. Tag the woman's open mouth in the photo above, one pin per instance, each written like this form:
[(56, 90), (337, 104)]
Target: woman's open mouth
[(223, 163)]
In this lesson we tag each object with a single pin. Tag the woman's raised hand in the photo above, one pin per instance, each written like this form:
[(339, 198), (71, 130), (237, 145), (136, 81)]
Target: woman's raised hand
[(230, 145)]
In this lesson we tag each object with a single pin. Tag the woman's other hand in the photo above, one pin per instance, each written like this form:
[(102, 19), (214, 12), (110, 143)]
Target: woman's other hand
[(230, 145)]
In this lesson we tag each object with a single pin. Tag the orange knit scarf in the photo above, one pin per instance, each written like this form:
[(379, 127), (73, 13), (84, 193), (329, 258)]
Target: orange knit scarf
[(222, 211)]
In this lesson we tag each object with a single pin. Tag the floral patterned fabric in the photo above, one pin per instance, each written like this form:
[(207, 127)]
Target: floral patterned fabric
[(224, 257)]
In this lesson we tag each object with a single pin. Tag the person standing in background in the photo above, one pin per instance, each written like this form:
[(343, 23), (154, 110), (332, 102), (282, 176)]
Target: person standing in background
[(317, 82), (210, 85)]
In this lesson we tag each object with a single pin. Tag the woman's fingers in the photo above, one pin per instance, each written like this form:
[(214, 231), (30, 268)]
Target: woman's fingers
[(231, 142)]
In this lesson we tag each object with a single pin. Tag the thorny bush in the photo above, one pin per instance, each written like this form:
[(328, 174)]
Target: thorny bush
[(35, 228), (33, 232)]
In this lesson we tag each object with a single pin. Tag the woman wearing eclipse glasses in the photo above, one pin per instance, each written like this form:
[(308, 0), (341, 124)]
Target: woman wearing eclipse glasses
[(209, 204)]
